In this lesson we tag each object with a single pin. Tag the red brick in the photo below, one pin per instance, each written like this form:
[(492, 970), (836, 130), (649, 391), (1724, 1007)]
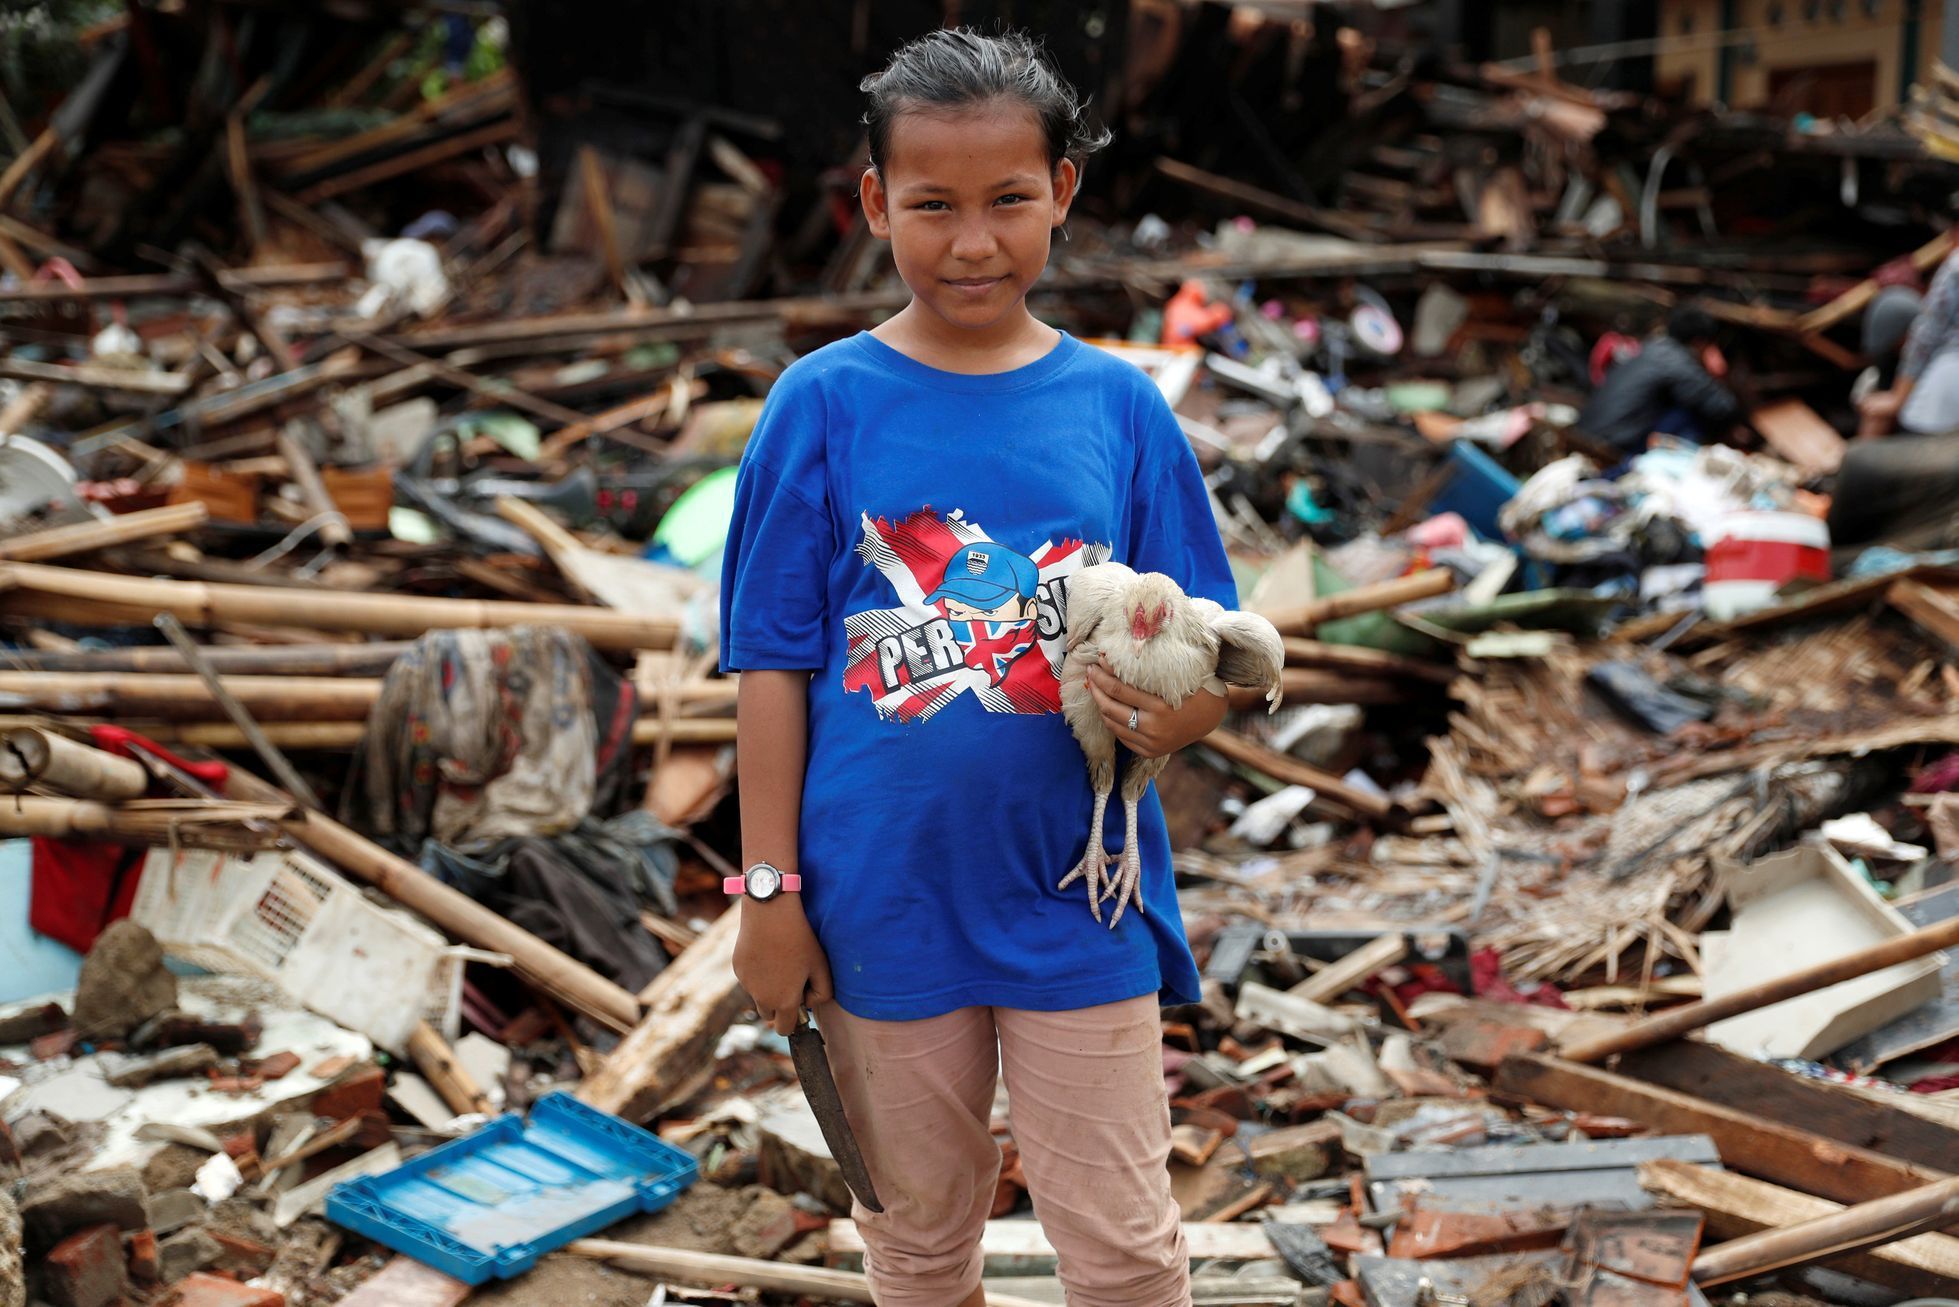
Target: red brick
[(203, 1289), (141, 1250), (332, 1067), (356, 1092), (240, 1144), (276, 1067), (235, 1084), (240, 1254), (405, 1282), (51, 1046), (86, 1268)]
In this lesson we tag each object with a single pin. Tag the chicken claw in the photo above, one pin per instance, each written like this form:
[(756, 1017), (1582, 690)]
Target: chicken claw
[(1127, 887), (1100, 883), (1094, 866)]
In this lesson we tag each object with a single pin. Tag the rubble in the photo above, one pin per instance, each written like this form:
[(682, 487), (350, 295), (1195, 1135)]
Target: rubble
[(409, 382)]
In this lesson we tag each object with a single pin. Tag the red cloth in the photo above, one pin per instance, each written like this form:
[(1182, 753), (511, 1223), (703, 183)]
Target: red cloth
[(80, 887), (1486, 973), (1937, 777)]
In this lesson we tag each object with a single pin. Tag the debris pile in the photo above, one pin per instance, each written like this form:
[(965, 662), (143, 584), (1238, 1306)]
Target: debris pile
[(1571, 934)]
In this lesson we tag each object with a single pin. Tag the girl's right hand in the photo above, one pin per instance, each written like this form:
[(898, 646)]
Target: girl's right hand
[(779, 962)]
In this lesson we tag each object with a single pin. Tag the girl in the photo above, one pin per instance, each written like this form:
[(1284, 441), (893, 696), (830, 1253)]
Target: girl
[(908, 514)]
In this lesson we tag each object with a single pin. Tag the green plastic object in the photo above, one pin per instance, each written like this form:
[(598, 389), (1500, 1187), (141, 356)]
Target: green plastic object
[(696, 527), (1378, 630)]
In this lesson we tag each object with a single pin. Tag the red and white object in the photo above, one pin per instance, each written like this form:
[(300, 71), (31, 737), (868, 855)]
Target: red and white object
[(1755, 554)]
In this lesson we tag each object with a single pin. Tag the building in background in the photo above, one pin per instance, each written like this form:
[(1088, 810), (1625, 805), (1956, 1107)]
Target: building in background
[(1830, 58)]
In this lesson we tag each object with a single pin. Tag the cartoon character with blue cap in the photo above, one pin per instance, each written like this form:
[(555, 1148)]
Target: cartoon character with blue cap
[(987, 582), (988, 597)]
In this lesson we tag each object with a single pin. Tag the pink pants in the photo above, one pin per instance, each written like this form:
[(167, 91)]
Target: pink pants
[(1085, 1089)]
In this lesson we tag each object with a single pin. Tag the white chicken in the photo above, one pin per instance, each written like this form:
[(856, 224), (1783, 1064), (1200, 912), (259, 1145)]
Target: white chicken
[(1152, 636)]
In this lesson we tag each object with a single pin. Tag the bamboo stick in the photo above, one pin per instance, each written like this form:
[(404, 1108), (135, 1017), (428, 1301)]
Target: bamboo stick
[(305, 474), (1288, 769), (563, 977), (30, 755), (1677, 1021), (240, 716), (341, 736), (1364, 599), (718, 1268), (303, 699), (450, 1078), (60, 541), (33, 590), (279, 698), (1880, 1221), (190, 823), (298, 660)]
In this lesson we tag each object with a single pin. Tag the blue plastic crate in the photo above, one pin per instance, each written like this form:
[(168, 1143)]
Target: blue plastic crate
[(488, 1206)]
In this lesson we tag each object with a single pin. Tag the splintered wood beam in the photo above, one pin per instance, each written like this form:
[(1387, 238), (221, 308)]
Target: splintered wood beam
[(1768, 1149), (1737, 1206), (671, 1052)]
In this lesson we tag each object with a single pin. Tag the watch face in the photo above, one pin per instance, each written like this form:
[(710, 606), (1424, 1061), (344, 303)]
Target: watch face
[(764, 882)]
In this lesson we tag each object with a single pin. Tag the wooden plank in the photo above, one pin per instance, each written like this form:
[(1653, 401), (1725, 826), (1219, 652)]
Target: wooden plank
[(689, 1006), (1793, 430), (1934, 609), (1927, 1026), (719, 1269), (97, 376), (1501, 1179), (1024, 1242), (1692, 1066), (80, 537), (1736, 1205), (1924, 258), (1353, 970), (1784, 1154)]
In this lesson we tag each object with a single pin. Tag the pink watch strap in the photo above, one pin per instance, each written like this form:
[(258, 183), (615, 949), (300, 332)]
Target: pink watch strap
[(791, 884)]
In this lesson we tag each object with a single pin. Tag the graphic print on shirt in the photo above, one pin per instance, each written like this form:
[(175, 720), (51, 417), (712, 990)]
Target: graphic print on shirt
[(973, 615)]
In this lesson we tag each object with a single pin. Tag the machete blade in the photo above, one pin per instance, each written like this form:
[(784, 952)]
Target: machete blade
[(820, 1088)]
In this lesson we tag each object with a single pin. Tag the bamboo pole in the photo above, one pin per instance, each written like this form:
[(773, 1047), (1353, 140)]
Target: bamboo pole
[(36, 591), (342, 736), (189, 823), (283, 661), (305, 474), (61, 541), (1364, 599), (279, 698), (1302, 652), (1880, 1221), (1675, 1022), (285, 699), (1285, 768), (773, 1277), (31, 755), (563, 977), (450, 1078)]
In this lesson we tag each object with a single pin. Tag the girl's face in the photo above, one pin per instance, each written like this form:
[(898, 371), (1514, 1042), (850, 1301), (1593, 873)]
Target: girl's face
[(968, 202)]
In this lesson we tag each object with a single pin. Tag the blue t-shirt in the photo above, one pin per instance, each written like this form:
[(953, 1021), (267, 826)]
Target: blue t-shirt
[(907, 534)]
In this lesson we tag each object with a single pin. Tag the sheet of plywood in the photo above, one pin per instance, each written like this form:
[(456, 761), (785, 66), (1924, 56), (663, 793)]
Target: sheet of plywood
[(1793, 430), (1923, 1027), (1794, 910), (1508, 1178)]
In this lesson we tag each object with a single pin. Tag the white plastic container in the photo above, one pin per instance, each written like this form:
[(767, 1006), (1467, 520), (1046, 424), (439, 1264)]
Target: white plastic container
[(290, 919), (1754, 554)]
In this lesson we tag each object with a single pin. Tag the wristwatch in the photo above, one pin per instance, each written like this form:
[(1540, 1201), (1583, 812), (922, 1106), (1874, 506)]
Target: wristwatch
[(762, 882)]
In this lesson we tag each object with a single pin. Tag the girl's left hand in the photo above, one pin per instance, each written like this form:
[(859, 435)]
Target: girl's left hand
[(1160, 729)]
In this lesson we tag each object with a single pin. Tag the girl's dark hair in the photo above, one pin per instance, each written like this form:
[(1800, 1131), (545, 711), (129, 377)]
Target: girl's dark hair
[(959, 66)]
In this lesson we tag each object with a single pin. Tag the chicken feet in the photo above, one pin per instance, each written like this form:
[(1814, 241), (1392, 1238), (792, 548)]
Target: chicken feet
[(1126, 887), (1094, 866)]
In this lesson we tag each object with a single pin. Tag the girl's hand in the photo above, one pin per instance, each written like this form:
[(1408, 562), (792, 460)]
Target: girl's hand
[(1160, 729), (779, 962)]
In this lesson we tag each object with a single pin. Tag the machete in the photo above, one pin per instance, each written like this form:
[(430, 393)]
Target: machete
[(820, 1088)]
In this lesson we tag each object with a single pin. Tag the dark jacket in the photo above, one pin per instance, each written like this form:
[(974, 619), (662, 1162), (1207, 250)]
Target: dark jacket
[(1636, 394)]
